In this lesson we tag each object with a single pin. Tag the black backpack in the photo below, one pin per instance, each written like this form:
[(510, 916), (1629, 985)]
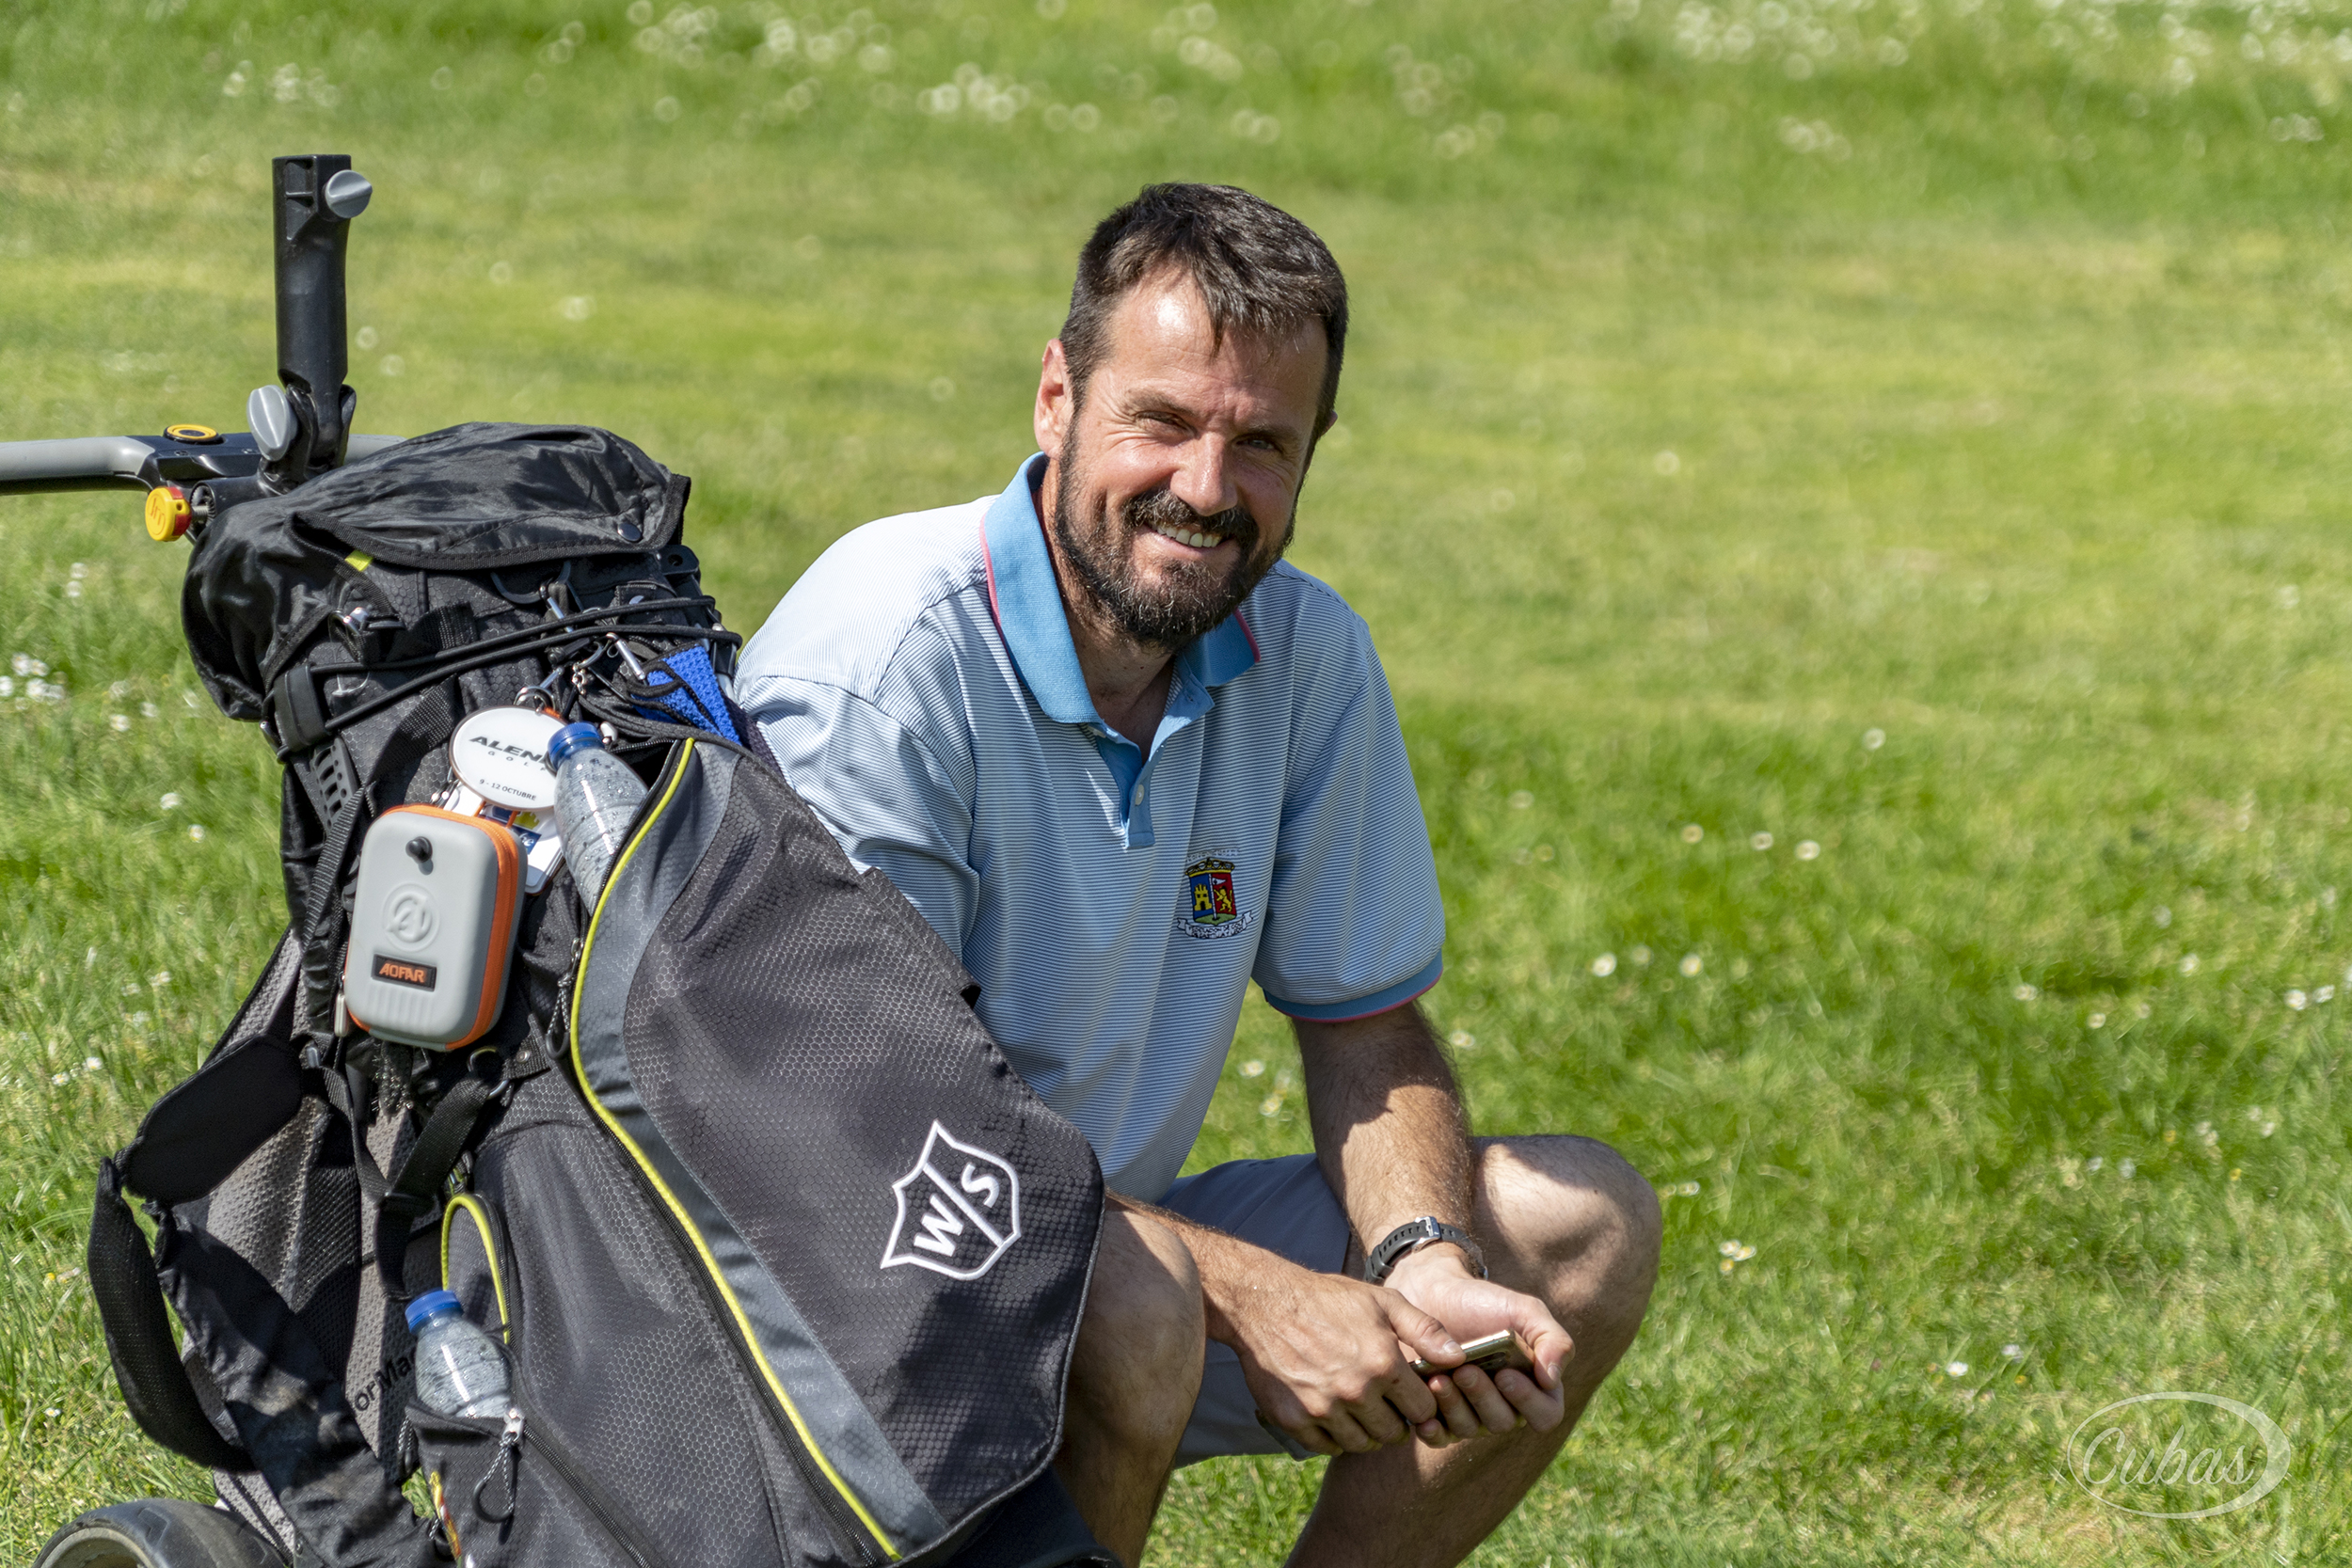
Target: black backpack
[(787, 1261)]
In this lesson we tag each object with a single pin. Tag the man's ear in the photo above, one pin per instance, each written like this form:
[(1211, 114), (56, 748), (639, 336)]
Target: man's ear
[(1323, 428), (1056, 400)]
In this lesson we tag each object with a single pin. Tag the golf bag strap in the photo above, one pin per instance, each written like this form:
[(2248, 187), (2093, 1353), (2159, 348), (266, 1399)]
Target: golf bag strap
[(139, 1338), (322, 904), (345, 1085), (413, 1191)]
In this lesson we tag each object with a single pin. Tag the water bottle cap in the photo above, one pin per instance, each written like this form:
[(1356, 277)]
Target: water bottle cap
[(430, 1305), (570, 738)]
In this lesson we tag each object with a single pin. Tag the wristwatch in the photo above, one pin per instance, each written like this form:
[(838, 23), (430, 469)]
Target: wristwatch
[(1411, 1237)]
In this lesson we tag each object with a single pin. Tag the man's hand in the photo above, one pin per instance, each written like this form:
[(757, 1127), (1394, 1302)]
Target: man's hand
[(1329, 1359), (1437, 1280)]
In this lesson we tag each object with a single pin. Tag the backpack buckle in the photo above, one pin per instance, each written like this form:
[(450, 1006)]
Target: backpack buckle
[(300, 715)]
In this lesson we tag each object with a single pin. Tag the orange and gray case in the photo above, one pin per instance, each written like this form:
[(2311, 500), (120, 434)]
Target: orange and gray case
[(434, 915)]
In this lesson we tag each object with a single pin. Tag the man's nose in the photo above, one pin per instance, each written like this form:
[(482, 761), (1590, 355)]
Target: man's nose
[(1204, 481)]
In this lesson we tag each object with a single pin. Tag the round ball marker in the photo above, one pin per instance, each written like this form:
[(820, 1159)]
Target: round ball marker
[(501, 754)]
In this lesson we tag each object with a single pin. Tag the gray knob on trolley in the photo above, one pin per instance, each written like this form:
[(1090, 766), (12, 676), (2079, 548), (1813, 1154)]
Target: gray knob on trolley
[(347, 193), (272, 417)]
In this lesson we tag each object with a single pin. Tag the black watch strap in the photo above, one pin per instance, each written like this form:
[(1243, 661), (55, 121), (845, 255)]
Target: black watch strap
[(1410, 1237)]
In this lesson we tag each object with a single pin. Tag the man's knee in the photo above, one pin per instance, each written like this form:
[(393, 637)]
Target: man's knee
[(1580, 1224), (1139, 1347)]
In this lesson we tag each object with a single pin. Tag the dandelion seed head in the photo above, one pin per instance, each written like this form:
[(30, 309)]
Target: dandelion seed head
[(1808, 850), (1605, 965)]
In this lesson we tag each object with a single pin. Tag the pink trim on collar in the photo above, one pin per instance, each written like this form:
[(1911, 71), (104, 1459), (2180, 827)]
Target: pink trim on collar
[(1255, 652), (989, 565)]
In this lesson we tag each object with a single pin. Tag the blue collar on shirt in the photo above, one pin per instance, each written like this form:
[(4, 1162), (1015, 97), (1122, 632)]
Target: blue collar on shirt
[(1028, 602)]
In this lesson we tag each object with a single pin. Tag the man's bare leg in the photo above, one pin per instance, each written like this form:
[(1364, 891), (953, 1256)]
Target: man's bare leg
[(1132, 1380), (1564, 1219)]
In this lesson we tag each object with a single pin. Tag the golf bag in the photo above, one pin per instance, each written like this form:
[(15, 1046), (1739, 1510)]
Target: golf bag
[(786, 1259)]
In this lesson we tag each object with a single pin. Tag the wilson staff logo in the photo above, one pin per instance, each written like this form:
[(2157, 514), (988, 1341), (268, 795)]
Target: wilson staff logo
[(959, 1209)]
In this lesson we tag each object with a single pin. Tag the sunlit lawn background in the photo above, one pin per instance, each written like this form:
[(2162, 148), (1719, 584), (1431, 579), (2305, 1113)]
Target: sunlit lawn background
[(1851, 495)]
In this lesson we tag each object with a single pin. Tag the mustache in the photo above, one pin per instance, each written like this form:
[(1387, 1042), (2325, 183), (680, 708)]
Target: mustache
[(1155, 508)]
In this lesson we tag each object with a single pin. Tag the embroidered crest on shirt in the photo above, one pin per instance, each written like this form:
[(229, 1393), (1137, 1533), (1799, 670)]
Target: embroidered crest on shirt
[(1211, 909)]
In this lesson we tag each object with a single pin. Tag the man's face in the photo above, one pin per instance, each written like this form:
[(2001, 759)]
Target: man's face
[(1177, 478)]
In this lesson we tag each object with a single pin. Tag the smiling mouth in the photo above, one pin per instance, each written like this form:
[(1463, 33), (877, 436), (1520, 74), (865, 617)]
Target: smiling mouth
[(1186, 537)]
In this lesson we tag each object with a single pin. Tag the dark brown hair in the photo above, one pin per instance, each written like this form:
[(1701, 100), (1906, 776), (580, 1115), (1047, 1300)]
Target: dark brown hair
[(1259, 270)]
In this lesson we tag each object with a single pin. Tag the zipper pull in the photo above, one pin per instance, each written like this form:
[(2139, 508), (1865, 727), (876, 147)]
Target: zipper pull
[(510, 1438)]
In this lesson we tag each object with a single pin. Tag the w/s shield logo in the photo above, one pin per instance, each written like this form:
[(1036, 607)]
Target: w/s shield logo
[(959, 1209)]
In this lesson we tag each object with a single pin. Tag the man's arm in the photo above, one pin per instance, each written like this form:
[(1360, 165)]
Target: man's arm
[(1389, 1127), (1319, 1350), (1327, 1356), (1394, 1145)]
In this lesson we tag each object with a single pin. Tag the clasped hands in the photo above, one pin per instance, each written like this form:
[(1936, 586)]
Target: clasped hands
[(1329, 1358)]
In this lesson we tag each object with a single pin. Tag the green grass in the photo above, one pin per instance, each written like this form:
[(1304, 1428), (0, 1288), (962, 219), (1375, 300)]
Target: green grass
[(2001, 555)]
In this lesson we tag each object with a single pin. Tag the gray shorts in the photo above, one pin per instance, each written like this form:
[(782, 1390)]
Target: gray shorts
[(1285, 1206)]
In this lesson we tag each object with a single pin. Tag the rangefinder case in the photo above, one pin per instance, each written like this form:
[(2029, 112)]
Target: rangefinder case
[(434, 915)]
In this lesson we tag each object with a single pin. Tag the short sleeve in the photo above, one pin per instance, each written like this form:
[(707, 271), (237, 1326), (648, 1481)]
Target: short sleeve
[(1354, 926), (889, 801)]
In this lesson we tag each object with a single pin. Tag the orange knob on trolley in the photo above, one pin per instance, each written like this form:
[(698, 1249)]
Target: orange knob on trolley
[(167, 512)]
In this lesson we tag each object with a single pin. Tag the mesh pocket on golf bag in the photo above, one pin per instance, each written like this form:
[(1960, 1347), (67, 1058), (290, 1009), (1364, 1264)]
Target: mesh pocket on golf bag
[(620, 1356)]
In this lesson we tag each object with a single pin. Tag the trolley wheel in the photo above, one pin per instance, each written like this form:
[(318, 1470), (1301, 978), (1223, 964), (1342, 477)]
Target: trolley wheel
[(157, 1532)]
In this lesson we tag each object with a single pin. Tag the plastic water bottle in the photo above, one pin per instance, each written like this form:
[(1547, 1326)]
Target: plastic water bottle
[(460, 1370), (596, 795)]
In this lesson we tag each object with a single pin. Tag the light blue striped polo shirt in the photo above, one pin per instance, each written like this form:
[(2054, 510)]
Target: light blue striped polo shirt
[(920, 687)]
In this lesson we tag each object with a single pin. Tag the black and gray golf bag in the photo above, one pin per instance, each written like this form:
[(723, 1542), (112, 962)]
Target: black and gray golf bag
[(786, 1259)]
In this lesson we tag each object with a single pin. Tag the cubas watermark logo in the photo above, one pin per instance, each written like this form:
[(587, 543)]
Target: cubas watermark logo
[(2178, 1455)]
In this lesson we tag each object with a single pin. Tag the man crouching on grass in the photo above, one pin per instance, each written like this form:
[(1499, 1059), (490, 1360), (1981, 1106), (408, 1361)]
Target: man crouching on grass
[(1127, 760)]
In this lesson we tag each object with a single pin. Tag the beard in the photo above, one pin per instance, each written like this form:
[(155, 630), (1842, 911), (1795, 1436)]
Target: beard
[(1191, 597)]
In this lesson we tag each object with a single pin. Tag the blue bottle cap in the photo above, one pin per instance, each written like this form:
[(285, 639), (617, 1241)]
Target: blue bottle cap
[(570, 738), (432, 1303)]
